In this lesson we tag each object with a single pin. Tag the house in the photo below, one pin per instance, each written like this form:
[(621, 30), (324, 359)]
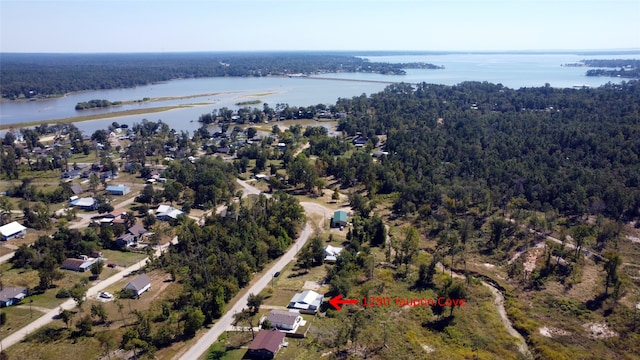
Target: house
[(266, 345), (307, 302), (137, 231), (262, 177), (11, 295), (331, 253), (284, 320), (126, 240), (88, 204), (12, 230), (77, 189), (118, 190), (339, 219), (139, 285), (81, 265), (359, 140), (167, 212), (117, 216)]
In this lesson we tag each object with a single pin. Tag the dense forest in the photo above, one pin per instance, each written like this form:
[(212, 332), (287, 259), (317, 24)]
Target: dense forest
[(43, 75), (571, 150)]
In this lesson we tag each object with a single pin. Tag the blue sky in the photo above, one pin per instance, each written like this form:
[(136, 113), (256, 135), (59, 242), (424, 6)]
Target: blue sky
[(249, 25)]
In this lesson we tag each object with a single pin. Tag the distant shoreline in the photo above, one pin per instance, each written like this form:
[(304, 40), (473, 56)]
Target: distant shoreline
[(82, 118)]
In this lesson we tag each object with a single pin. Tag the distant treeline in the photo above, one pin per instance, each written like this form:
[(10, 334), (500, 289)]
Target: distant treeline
[(626, 68), (96, 104), (45, 75)]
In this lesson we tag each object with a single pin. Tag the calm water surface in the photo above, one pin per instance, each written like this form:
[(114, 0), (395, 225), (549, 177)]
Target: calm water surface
[(511, 70)]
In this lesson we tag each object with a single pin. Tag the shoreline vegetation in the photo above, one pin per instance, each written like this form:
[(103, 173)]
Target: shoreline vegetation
[(75, 119), (103, 104)]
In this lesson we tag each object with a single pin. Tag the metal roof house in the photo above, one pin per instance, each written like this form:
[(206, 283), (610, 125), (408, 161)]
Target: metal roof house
[(266, 344), (331, 253), (167, 212), (12, 230), (89, 204), (339, 219), (139, 285), (307, 302), (118, 190), (80, 265)]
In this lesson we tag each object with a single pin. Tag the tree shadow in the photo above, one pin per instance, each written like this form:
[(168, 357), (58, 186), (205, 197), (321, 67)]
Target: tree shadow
[(439, 324), (596, 303)]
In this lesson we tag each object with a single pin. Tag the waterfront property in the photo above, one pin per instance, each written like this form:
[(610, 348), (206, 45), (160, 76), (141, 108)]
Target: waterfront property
[(12, 230)]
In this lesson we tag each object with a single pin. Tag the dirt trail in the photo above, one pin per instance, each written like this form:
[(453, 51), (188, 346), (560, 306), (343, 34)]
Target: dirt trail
[(502, 312)]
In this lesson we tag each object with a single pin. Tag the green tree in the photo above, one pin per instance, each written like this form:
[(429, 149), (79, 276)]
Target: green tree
[(407, 248), (96, 268), (254, 302), (193, 321), (85, 325), (98, 310), (78, 293), (611, 264), (66, 316)]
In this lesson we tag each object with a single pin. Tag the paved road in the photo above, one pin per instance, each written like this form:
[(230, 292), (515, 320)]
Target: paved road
[(203, 344), (70, 304)]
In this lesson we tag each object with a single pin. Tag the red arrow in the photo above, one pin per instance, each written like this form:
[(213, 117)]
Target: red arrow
[(336, 302)]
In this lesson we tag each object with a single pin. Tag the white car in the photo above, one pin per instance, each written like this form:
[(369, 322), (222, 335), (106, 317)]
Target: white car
[(106, 295)]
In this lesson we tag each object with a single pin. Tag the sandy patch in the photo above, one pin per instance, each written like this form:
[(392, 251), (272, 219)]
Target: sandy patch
[(428, 349), (550, 332), (633, 239), (599, 330), (311, 285), (490, 266)]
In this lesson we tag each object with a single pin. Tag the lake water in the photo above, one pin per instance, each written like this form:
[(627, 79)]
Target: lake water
[(511, 70)]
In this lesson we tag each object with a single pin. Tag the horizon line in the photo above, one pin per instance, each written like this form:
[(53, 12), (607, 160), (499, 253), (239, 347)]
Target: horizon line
[(434, 52)]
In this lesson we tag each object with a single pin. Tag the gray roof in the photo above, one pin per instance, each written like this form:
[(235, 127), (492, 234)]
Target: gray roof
[(282, 317), (9, 293), (140, 282)]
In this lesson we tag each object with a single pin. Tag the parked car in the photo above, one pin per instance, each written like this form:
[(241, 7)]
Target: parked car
[(276, 274), (111, 265), (106, 295)]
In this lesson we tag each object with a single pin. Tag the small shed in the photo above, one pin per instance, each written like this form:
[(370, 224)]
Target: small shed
[(12, 230), (139, 285)]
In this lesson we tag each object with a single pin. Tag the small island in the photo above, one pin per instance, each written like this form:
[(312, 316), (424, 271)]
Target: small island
[(92, 104)]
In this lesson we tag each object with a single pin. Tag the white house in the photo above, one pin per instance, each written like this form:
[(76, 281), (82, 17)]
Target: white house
[(167, 212), (306, 302), (285, 320), (139, 285), (331, 253), (12, 231)]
